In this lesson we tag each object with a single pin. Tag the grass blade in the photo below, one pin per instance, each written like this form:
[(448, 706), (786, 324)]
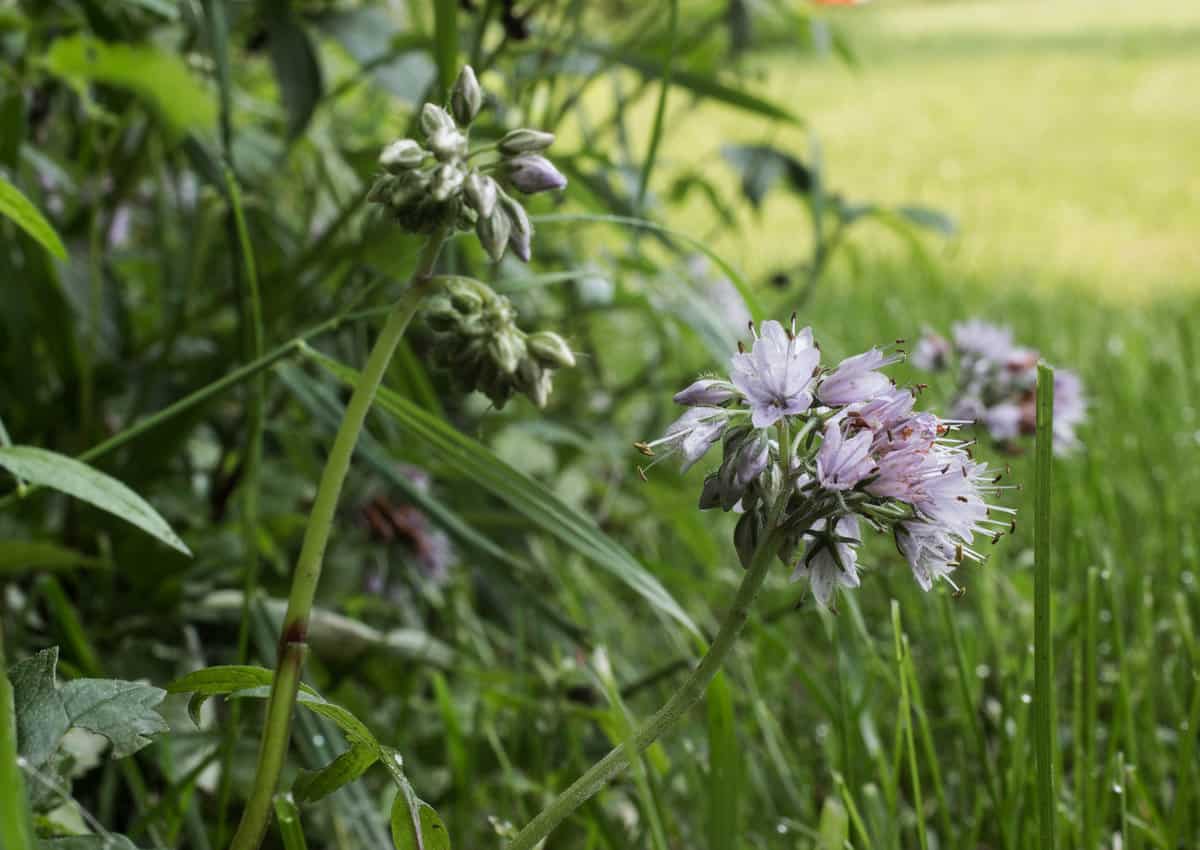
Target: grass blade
[(16, 832), (661, 110), (1043, 687), (21, 211)]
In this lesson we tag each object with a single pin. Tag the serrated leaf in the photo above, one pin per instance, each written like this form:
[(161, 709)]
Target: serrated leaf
[(522, 493), (42, 719), (160, 78), (316, 784), (121, 711), (21, 211), (421, 829), (88, 484), (19, 556)]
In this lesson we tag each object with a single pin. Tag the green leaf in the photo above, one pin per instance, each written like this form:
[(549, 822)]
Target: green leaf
[(522, 493), (316, 784), (121, 711), (355, 730), (724, 768), (929, 218), (77, 479), (20, 556), (221, 679), (297, 70), (42, 719), (22, 212), (421, 829), (708, 87), (762, 166), (160, 78)]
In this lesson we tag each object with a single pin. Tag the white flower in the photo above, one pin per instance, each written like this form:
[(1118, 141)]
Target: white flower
[(830, 560), (855, 379), (777, 375), (841, 462)]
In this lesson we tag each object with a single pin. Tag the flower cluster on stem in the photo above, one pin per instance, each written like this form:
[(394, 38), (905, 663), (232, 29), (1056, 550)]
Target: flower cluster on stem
[(997, 383), (438, 182), (813, 455)]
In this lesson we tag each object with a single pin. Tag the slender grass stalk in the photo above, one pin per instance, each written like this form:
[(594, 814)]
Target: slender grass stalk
[(621, 757), (257, 391), (16, 832), (293, 640), (1043, 687), (906, 725), (660, 112)]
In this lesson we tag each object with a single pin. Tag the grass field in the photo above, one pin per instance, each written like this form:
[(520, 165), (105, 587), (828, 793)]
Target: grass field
[(1062, 137)]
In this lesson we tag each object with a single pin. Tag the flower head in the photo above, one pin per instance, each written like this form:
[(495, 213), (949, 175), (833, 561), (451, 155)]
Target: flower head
[(776, 377), (842, 462)]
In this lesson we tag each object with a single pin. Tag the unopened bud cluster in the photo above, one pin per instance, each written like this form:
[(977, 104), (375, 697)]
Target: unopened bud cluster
[(478, 342), (811, 454), (438, 183)]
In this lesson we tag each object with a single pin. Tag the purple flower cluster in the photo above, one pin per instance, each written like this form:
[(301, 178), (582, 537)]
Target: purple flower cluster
[(997, 383), (810, 455)]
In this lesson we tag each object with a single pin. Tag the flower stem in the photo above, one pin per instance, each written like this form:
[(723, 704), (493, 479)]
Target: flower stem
[(293, 641), (599, 774)]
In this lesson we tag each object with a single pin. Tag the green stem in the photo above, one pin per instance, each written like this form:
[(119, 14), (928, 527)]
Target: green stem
[(1043, 687), (305, 579), (599, 774), (16, 832)]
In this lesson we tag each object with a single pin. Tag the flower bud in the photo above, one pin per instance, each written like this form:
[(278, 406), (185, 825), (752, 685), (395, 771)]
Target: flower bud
[(480, 191), (534, 381), (521, 230), (710, 494), (494, 232), (533, 173), (466, 97), (745, 537), (381, 189), (435, 120), (447, 182), (448, 144), (550, 349), (467, 295), (706, 391), (517, 142), (440, 314), (402, 155), (412, 186), (507, 350)]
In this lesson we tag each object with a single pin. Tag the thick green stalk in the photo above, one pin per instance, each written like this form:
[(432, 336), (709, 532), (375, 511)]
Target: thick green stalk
[(1043, 685), (599, 774), (292, 642)]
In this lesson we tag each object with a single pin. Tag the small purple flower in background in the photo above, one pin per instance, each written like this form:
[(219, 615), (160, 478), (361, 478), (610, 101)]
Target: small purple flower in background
[(808, 456), (932, 352), (997, 384), (777, 376)]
